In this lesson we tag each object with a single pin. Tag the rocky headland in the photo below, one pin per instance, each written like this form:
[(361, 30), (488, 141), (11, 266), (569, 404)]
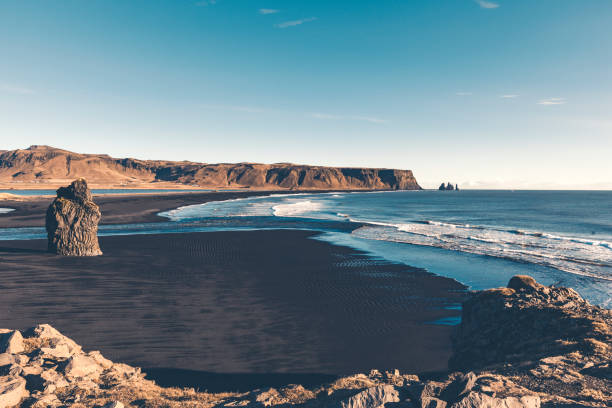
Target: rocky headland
[(72, 221), (526, 345), (40, 166)]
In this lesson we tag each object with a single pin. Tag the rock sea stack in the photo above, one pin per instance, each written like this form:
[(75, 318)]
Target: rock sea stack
[(72, 221), (526, 346), (448, 187)]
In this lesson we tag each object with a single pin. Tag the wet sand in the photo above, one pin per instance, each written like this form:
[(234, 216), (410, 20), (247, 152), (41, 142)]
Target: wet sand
[(250, 304)]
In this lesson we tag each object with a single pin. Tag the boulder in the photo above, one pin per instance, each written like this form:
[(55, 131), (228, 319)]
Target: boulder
[(6, 359), (523, 282), (432, 402), (527, 321), (53, 344), (426, 394), (99, 358), (80, 366), (11, 342), (113, 404), (460, 386), (480, 400), (72, 222), (51, 380), (373, 397), (12, 391), (47, 400)]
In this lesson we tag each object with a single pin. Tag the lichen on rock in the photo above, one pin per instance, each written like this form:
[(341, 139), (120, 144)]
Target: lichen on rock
[(72, 221)]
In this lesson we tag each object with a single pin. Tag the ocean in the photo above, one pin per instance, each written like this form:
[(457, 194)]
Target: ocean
[(479, 238)]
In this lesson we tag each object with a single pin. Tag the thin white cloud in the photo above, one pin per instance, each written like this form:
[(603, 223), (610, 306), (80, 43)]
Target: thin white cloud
[(463, 93), (327, 116), (268, 11), (509, 96), (314, 115), (487, 4), (295, 22), (248, 109), (552, 101), (14, 89), (204, 3)]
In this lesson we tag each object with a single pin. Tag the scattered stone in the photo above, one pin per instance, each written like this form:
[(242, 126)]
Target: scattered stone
[(11, 342), (523, 282), (431, 402), (12, 391), (114, 404), (48, 400), (72, 221), (372, 397), (6, 359), (458, 387), (81, 366), (479, 400), (51, 344)]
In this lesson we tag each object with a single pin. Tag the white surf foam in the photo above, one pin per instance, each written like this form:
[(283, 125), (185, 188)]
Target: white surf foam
[(237, 207), (574, 255), (6, 210), (296, 208)]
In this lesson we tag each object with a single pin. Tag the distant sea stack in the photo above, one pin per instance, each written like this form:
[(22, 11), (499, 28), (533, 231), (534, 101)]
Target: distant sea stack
[(47, 165), (72, 221), (448, 187)]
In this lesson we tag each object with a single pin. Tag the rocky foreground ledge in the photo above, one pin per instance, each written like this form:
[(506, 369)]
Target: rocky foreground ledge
[(526, 345)]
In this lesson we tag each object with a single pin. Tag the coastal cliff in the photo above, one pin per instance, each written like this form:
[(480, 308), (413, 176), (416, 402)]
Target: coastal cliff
[(51, 166), (523, 346)]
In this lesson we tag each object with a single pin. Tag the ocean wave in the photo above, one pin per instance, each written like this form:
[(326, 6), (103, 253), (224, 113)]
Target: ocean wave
[(237, 207), (573, 255), (6, 210), (576, 255), (518, 232), (293, 209)]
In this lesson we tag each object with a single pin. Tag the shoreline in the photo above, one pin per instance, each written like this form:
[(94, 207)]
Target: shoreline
[(118, 209), (134, 208)]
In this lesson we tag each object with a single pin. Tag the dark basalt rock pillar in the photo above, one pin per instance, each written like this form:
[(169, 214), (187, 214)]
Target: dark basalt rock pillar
[(72, 221)]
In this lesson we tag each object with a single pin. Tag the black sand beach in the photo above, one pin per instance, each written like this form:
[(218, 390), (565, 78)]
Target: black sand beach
[(233, 302), (226, 310), (117, 208)]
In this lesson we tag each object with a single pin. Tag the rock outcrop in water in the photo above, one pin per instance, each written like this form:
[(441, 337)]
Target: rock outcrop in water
[(448, 187), (72, 221), (526, 346), (48, 165)]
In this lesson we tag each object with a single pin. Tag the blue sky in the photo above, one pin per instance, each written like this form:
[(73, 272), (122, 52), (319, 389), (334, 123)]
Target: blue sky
[(504, 94)]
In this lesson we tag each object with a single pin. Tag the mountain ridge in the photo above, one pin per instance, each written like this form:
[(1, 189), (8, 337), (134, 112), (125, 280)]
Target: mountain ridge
[(46, 165)]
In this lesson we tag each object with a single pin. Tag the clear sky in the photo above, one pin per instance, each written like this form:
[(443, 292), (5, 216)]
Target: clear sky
[(496, 93)]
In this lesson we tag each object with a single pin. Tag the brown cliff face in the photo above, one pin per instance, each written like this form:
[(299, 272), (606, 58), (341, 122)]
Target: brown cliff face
[(44, 164), (72, 222)]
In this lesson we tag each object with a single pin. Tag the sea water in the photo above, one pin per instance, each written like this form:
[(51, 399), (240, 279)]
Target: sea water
[(480, 238)]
